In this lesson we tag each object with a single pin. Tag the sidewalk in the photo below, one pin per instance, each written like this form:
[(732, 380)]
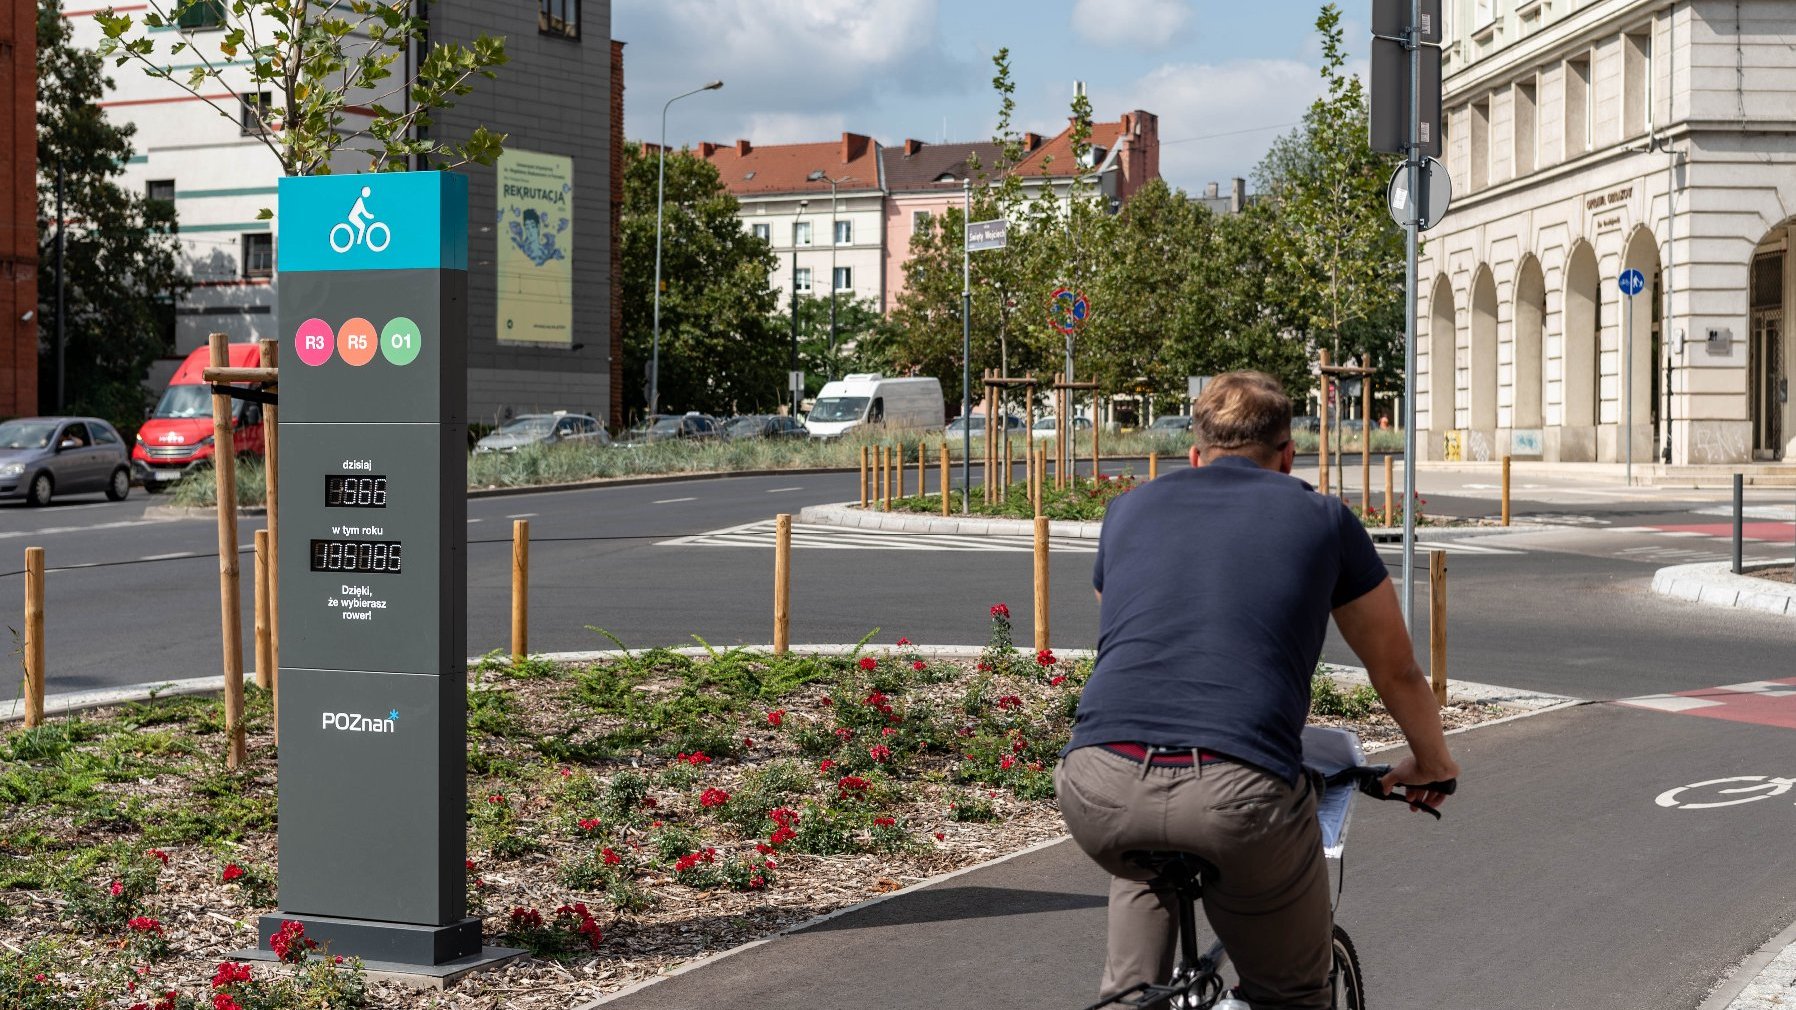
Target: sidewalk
[(1765, 981)]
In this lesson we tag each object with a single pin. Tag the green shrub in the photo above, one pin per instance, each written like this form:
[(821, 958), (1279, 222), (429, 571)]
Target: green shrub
[(118, 897), (1328, 700)]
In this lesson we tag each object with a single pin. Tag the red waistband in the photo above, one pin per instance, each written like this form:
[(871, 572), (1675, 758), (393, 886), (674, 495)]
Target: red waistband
[(1162, 757)]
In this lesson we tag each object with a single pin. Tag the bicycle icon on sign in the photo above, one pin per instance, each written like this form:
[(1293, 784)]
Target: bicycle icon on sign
[(1708, 795), (360, 228)]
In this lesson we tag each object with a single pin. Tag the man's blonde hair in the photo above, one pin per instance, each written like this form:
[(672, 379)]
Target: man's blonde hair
[(1242, 412)]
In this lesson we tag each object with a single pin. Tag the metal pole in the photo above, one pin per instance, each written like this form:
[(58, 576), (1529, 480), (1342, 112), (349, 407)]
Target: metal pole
[(1627, 365), (1739, 518), (1411, 229), (966, 351), (61, 327), (831, 367)]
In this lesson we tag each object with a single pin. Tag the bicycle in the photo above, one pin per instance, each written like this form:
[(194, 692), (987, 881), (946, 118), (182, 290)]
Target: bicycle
[(1197, 982), (355, 230)]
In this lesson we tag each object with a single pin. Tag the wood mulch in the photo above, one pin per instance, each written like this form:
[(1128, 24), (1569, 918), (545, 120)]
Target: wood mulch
[(206, 919)]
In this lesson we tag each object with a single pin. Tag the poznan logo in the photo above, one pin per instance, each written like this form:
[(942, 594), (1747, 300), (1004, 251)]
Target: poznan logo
[(355, 722), (361, 228)]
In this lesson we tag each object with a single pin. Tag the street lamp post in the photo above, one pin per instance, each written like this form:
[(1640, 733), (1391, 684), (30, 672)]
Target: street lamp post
[(818, 176), (660, 197), (792, 358)]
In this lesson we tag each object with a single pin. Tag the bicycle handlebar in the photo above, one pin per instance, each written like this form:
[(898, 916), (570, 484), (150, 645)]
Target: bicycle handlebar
[(1369, 779)]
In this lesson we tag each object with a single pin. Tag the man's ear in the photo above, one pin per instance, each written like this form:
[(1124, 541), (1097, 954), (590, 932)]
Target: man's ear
[(1196, 457), (1287, 456)]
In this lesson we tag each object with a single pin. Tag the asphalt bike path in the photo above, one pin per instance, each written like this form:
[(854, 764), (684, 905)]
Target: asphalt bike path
[(1557, 879)]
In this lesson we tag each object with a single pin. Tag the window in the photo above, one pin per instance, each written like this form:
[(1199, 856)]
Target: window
[(258, 255), (559, 17), (160, 189), (802, 281), (1480, 144), (764, 232), (1578, 111), (844, 278), (844, 232), (103, 434), (256, 107), (1637, 84), (921, 221), (76, 432), (1526, 143), (198, 15), (801, 233)]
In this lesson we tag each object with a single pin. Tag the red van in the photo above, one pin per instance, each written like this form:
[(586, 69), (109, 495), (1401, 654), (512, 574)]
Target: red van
[(177, 438)]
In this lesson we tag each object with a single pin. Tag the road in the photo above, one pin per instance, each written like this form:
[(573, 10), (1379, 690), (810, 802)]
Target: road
[(1556, 879)]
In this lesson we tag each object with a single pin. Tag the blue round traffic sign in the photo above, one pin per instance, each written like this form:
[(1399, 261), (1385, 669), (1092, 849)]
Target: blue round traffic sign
[(1632, 282)]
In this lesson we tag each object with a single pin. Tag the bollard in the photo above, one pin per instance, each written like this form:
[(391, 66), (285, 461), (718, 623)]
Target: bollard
[(864, 451), (1437, 624), (1739, 521), (224, 469), (945, 495), (922, 470), (1041, 584), (1388, 493), (34, 636), (879, 476), (1505, 490), (892, 471), (1153, 466), (782, 583), (520, 589), (264, 650)]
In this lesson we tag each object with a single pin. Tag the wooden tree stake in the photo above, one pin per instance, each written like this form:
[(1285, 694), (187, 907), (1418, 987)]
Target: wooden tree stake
[(520, 589), (264, 655), (1437, 624), (34, 636), (782, 583), (1389, 496), (1505, 490), (1041, 584), (224, 469)]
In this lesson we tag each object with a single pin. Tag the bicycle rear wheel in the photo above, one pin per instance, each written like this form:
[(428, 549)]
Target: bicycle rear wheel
[(1346, 982)]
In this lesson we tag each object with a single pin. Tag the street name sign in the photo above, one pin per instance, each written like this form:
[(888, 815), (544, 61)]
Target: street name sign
[(987, 235), (373, 569)]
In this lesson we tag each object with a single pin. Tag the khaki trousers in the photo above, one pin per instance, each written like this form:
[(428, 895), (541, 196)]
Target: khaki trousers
[(1270, 906)]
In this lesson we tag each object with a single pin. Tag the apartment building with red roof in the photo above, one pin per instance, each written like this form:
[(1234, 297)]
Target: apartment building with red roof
[(18, 210), (822, 233), (883, 196)]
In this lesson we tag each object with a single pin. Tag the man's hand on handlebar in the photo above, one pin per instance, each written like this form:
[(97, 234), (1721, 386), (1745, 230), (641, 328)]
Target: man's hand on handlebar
[(1415, 778)]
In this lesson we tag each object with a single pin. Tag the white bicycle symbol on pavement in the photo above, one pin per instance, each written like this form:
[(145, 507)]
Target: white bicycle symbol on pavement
[(1706, 795), (360, 228)]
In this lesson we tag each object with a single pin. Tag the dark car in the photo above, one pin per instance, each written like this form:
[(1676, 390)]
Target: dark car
[(763, 426), (1170, 424), (45, 456), (667, 427)]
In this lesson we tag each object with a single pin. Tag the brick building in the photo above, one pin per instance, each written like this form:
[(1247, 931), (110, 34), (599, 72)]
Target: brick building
[(18, 209)]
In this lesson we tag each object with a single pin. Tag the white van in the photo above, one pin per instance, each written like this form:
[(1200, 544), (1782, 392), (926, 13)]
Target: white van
[(866, 398)]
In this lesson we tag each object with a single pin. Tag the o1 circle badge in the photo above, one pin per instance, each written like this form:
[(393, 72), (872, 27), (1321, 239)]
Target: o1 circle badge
[(314, 342), (400, 341), (356, 342)]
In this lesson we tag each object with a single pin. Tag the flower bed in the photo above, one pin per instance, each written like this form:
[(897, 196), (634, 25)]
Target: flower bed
[(624, 816), (1083, 500)]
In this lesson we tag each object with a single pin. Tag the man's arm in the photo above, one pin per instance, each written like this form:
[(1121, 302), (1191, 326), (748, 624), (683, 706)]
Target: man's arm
[(1373, 627)]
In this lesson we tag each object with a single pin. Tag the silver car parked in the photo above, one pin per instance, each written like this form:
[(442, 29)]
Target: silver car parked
[(41, 457)]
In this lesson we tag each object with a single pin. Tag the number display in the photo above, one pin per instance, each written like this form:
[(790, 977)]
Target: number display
[(373, 557), (368, 492)]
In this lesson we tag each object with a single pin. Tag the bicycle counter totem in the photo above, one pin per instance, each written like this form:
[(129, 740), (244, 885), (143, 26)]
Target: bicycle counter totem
[(373, 284)]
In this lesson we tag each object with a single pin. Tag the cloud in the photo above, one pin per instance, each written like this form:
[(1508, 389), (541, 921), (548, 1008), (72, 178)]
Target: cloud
[(1132, 24), (1218, 119), (795, 127)]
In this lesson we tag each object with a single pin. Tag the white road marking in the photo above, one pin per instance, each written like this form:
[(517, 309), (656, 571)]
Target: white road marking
[(1669, 702), (1763, 688), (672, 501), (168, 557), (782, 490), (1682, 533), (49, 530), (477, 520), (1449, 546), (522, 515)]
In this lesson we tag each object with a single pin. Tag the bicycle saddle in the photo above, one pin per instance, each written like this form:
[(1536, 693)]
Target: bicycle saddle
[(1180, 870)]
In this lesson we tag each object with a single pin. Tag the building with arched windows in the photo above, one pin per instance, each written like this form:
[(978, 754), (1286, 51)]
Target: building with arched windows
[(1590, 137)]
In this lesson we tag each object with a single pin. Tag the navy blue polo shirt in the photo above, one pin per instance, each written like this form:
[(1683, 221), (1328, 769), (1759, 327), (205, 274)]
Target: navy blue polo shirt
[(1217, 586)]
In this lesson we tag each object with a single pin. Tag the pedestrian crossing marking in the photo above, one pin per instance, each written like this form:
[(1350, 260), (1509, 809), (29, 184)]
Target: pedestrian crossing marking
[(808, 536)]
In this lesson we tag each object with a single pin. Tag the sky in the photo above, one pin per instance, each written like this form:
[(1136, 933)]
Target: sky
[(1225, 77)]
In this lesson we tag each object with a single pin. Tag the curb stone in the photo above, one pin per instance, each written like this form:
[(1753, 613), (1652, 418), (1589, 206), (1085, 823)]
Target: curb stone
[(198, 511), (1714, 584), (1766, 980), (854, 517)]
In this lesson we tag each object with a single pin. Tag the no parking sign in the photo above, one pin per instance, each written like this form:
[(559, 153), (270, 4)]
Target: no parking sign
[(1068, 310)]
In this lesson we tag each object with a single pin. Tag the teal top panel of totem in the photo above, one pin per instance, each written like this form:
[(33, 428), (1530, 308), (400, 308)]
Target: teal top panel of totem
[(377, 221)]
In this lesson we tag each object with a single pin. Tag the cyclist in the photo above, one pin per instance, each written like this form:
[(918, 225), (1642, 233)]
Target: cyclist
[(359, 215), (1215, 587)]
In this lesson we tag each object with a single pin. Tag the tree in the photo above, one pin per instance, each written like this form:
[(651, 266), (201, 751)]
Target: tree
[(721, 347), (862, 338), (120, 252), (317, 60), (1338, 255)]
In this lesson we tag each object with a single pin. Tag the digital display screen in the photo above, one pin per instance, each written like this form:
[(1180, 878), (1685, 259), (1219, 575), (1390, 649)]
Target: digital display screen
[(373, 557), (369, 492)]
